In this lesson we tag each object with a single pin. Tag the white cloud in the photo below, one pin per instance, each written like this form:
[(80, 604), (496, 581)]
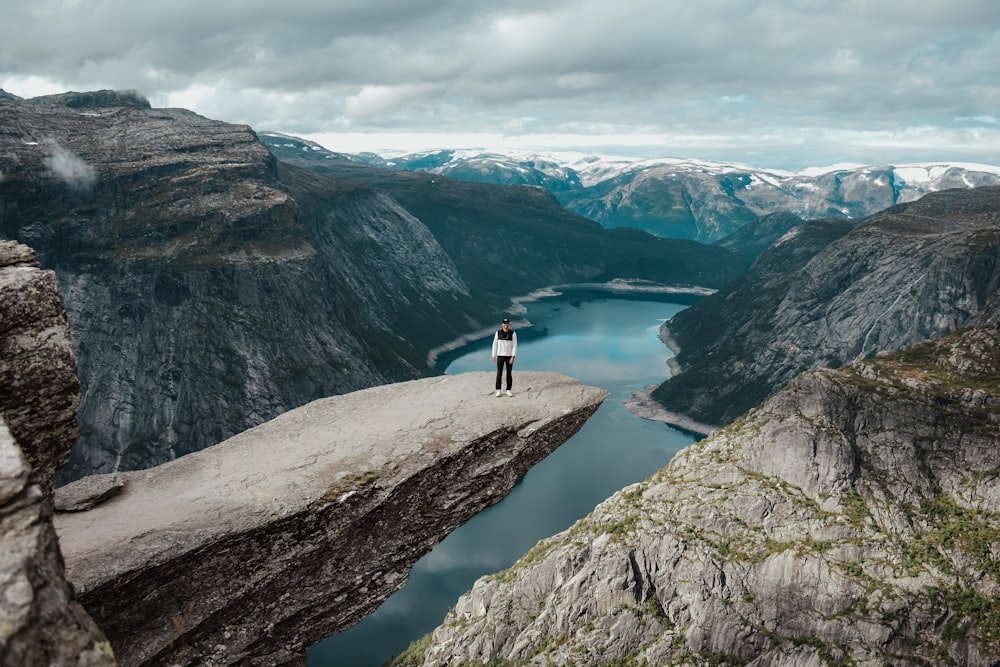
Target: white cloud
[(68, 167), (720, 68)]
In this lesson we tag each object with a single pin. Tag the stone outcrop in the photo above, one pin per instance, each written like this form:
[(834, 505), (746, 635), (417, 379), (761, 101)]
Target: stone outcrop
[(40, 621), (828, 293), (850, 519), (249, 551), (40, 391)]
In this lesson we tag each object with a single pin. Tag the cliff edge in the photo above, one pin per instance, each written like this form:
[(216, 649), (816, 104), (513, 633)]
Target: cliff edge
[(252, 550)]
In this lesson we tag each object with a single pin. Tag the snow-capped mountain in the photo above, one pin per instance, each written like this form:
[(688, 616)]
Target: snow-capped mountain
[(676, 197)]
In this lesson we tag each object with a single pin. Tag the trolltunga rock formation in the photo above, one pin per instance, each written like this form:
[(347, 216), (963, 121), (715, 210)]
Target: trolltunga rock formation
[(251, 550)]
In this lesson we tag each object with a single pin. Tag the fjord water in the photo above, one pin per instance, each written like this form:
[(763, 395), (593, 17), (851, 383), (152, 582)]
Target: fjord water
[(605, 339)]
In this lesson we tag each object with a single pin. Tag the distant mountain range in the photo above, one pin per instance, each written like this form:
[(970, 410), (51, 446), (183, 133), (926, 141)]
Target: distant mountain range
[(678, 198)]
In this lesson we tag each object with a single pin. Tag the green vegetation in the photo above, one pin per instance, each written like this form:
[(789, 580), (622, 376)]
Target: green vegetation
[(349, 483), (855, 508), (414, 654)]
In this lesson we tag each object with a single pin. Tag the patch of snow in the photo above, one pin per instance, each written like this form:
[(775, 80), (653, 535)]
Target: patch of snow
[(913, 174), (814, 172), (764, 177)]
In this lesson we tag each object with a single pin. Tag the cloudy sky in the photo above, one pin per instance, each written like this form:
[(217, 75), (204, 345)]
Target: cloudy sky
[(774, 83)]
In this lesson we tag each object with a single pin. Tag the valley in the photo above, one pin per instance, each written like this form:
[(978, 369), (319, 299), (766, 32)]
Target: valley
[(213, 278)]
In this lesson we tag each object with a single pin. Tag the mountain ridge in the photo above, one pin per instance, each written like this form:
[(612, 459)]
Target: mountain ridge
[(837, 292), (677, 197)]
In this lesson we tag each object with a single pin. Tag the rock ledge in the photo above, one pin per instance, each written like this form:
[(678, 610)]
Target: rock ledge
[(256, 548)]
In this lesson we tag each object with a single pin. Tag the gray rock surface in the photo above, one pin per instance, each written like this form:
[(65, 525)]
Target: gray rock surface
[(41, 623), (88, 492), (40, 390), (251, 550), (851, 519)]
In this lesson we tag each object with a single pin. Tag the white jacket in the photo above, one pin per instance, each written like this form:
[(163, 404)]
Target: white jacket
[(503, 347)]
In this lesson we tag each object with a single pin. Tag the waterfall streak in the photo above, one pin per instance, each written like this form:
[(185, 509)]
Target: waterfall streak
[(864, 344)]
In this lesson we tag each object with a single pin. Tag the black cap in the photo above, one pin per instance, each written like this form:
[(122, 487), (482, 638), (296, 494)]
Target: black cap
[(505, 321)]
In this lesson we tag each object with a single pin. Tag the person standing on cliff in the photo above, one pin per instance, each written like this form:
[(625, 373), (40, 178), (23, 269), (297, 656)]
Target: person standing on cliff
[(504, 351)]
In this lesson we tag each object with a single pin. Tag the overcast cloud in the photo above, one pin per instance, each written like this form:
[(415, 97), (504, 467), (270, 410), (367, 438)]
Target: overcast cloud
[(775, 83)]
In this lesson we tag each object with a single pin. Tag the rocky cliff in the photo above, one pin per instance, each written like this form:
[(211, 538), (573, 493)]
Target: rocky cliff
[(41, 623), (40, 391), (830, 292), (252, 550), (210, 287), (850, 519)]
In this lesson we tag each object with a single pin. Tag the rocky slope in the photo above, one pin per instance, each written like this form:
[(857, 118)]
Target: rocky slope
[(252, 550), (851, 519), (828, 293), (41, 623), (672, 197), (210, 287)]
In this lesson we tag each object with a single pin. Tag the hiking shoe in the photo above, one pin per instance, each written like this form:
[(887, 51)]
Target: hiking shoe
[(498, 392), (508, 393)]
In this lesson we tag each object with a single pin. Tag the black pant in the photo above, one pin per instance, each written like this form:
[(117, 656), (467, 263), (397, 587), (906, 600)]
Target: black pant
[(509, 363)]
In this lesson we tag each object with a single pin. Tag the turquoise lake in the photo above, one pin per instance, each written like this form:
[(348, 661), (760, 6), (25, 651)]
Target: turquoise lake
[(605, 339)]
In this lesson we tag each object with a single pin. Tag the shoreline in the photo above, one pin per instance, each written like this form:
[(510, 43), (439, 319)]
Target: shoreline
[(517, 307), (668, 340), (642, 405)]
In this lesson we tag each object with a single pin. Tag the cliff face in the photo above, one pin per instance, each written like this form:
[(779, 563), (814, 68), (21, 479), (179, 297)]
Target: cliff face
[(40, 390), (40, 621), (210, 287), (252, 550), (851, 519), (828, 293)]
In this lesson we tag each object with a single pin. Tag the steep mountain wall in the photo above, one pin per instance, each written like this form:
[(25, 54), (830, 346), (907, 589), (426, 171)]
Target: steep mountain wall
[(851, 519), (828, 293)]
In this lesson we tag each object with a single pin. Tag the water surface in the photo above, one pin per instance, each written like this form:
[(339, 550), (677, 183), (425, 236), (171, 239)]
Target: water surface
[(604, 340)]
